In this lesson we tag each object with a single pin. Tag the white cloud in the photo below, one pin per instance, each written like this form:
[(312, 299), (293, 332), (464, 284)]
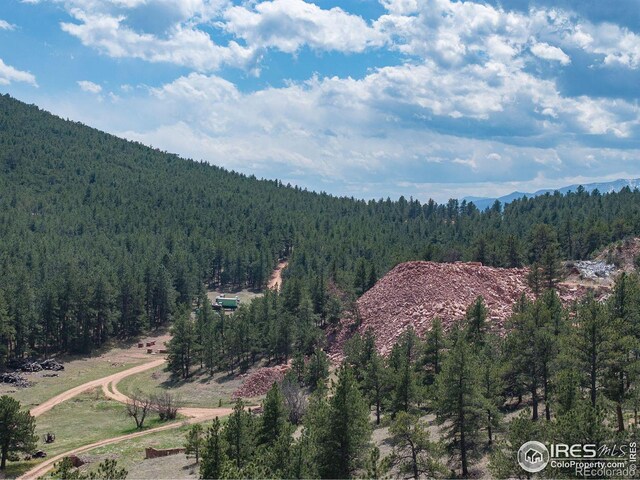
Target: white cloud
[(467, 69), (183, 45), (290, 24), (90, 87), (549, 52), (4, 25), (9, 74), (331, 128)]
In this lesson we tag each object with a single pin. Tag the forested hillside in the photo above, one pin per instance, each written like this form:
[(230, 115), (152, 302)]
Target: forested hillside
[(101, 237)]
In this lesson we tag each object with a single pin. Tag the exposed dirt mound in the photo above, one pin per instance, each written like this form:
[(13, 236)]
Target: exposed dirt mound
[(260, 382), (414, 293)]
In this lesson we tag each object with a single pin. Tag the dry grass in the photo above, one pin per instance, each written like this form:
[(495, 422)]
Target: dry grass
[(198, 391), (130, 455)]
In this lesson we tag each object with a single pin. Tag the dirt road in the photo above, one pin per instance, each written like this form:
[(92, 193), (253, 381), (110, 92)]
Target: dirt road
[(64, 396), (276, 277), (109, 386)]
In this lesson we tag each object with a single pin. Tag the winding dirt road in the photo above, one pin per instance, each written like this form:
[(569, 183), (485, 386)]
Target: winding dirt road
[(109, 386), (73, 392)]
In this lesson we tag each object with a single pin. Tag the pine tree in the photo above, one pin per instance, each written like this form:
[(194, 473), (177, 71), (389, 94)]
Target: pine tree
[(360, 280), (375, 383), (623, 369), (17, 430), (591, 344), (194, 441), (274, 417), (459, 404), (342, 441), (213, 454), (404, 385), (434, 347), (239, 435), (317, 369), (373, 277), (476, 322), (7, 332), (491, 385), (182, 345), (503, 461), (531, 347), (413, 454)]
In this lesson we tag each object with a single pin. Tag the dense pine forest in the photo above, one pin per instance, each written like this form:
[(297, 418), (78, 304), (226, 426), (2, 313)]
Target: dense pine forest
[(101, 237)]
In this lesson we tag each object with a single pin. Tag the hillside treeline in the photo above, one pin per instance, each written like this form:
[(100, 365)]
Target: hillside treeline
[(101, 237), (559, 375)]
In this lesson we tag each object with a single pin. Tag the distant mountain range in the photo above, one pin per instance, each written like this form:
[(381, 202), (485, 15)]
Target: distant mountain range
[(602, 187)]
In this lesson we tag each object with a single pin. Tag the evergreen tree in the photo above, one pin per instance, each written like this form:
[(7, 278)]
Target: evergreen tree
[(503, 462), (317, 369), (274, 417), (194, 441), (213, 455), (375, 383), (373, 277), (360, 281), (403, 380), (434, 347), (17, 430), (342, 441), (530, 347), (491, 385), (459, 402), (476, 322), (239, 436), (182, 345), (413, 454), (591, 345)]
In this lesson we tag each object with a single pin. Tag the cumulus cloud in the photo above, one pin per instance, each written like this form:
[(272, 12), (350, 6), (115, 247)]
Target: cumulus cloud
[(464, 87), (182, 45), (9, 74), (326, 129), (289, 24), (87, 86), (549, 52)]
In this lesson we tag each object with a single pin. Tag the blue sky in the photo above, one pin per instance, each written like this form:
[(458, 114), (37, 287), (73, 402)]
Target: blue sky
[(422, 98)]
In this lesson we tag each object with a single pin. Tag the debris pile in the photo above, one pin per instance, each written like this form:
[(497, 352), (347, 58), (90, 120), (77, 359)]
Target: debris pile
[(49, 364), (31, 367), (595, 269), (259, 382), (414, 293), (15, 379)]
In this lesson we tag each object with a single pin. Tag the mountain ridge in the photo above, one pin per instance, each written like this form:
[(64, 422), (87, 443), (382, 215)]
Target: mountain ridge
[(603, 187)]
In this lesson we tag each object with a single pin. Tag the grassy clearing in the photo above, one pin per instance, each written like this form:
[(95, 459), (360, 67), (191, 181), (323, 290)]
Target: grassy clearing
[(198, 391), (85, 419), (15, 469), (76, 372), (130, 453), (245, 295)]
